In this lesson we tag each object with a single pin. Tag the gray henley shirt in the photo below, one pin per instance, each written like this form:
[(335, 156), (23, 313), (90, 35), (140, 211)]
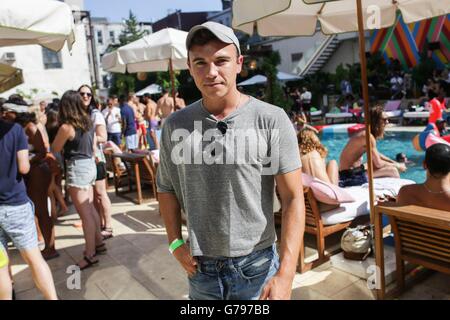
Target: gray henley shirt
[(224, 181)]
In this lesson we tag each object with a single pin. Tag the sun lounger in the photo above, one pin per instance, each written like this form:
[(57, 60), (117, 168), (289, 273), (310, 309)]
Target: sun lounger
[(331, 117), (323, 224), (415, 115), (316, 115), (392, 109)]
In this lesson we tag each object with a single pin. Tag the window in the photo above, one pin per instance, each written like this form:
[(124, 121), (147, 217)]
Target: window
[(105, 81), (112, 36), (51, 59), (296, 57), (99, 37)]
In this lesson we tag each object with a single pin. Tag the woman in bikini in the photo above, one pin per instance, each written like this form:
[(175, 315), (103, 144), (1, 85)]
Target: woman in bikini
[(55, 190), (313, 155), (38, 179)]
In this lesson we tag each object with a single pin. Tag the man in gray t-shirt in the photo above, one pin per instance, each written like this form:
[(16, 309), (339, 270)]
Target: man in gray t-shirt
[(219, 160)]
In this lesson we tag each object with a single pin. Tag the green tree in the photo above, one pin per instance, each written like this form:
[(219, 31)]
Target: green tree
[(122, 84), (424, 69), (274, 92), (163, 79), (317, 84), (132, 31)]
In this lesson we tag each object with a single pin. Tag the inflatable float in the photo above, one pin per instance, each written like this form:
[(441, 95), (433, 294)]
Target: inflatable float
[(349, 128), (428, 137)]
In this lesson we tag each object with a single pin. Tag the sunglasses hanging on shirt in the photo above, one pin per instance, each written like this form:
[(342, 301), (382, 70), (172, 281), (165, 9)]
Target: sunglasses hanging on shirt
[(222, 127)]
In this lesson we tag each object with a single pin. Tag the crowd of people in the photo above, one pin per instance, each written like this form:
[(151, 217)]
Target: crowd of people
[(351, 170), (65, 138)]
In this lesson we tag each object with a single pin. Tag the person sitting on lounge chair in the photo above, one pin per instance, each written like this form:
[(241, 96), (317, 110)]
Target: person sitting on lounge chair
[(442, 127), (352, 171), (301, 123), (313, 154), (435, 191)]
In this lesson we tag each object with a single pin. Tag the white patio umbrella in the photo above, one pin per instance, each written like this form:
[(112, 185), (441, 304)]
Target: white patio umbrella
[(301, 17), (44, 22), (256, 79), (260, 79), (9, 77), (151, 89), (160, 51)]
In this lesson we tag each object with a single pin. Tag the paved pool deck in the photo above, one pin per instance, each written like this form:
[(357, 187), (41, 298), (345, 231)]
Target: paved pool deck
[(138, 266)]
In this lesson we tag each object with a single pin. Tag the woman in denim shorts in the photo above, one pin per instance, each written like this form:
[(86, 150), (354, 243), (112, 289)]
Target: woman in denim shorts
[(76, 138), (101, 199)]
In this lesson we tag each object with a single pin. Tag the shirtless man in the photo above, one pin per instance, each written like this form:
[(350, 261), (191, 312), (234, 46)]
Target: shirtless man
[(435, 191), (352, 171), (150, 117), (180, 104), (165, 106), (138, 109)]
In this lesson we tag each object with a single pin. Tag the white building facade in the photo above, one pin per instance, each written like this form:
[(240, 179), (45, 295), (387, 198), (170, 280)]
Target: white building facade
[(49, 74), (107, 34)]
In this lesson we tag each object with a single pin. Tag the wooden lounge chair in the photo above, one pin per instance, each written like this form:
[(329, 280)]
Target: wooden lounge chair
[(140, 170), (112, 167), (422, 236), (316, 115), (421, 240), (314, 225)]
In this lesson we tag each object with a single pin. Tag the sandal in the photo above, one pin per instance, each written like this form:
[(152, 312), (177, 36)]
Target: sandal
[(107, 233), (90, 262), (100, 249), (48, 257)]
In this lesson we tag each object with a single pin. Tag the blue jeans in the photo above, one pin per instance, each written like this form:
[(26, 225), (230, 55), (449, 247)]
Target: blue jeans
[(240, 278), (115, 137)]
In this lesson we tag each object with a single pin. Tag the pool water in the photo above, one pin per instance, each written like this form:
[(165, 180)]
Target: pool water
[(393, 143)]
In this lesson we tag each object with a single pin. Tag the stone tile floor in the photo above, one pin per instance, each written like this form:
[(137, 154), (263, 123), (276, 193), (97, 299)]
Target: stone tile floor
[(138, 266)]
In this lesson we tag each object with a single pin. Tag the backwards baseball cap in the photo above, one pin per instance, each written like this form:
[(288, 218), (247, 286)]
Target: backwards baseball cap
[(222, 32), (15, 104)]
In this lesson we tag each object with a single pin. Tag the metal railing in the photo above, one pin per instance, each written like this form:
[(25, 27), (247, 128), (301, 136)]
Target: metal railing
[(313, 54)]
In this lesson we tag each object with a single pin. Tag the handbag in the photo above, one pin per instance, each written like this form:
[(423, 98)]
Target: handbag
[(357, 242)]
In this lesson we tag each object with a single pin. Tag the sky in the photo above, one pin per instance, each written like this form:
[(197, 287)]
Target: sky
[(146, 10)]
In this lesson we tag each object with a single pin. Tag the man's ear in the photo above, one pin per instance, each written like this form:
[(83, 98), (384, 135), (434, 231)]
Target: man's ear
[(240, 63), (424, 165), (189, 66)]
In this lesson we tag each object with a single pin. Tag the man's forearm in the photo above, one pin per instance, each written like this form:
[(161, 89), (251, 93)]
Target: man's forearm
[(292, 231), (385, 158), (171, 214)]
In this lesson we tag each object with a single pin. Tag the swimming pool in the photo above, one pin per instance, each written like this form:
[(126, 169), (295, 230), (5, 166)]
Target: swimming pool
[(393, 143)]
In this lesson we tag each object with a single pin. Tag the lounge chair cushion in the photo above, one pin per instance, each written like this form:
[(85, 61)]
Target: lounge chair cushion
[(416, 114), (327, 192), (392, 105), (394, 114), (349, 211), (390, 114), (339, 115)]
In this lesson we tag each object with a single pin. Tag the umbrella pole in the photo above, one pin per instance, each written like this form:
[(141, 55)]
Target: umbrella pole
[(172, 81), (365, 89)]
